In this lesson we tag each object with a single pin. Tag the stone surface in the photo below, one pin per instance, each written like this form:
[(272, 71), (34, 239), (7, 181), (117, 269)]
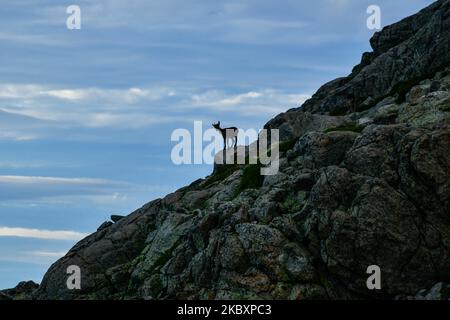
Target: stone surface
[(23, 291), (116, 217), (364, 180), (404, 53), (440, 291)]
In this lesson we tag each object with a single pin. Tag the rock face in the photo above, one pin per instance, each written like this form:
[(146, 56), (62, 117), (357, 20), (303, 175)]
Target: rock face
[(403, 54), (364, 180), (22, 291)]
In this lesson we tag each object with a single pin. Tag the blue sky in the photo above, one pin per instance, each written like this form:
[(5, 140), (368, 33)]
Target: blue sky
[(86, 115)]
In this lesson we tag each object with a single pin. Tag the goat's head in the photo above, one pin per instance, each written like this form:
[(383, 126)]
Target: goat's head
[(216, 125)]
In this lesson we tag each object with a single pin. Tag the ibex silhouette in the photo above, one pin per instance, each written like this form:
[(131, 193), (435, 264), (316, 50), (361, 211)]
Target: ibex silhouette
[(227, 133)]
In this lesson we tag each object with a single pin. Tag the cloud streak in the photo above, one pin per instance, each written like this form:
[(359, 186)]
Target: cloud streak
[(14, 187), (266, 102), (41, 234), (49, 254), (27, 180), (126, 95), (37, 257), (33, 105)]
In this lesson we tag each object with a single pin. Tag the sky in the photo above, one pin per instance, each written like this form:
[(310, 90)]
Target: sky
[(86, 115)]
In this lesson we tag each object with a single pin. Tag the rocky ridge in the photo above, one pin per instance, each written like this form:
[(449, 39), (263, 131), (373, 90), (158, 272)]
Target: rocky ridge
[(364, 180)]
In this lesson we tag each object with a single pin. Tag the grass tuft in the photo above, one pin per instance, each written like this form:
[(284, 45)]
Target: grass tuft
[(222, 172), (287, 145), (251, 178)]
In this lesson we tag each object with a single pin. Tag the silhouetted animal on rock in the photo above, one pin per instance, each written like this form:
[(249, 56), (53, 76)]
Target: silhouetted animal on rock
[(227, 134)]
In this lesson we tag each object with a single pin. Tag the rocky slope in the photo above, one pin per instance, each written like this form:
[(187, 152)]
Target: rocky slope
[(22, 291), (364, 180)]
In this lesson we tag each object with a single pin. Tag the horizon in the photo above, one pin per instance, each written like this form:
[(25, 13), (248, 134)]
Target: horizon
[(87, 114)]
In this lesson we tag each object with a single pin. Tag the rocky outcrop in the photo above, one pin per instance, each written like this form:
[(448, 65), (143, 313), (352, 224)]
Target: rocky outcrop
[(22, 291), (364, 180), (404, 53), (103, 257), (439, 291)]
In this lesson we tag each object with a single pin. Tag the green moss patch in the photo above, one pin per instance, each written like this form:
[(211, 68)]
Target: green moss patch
[(221, 173), (251, 178), (293, 202), (287, 145)]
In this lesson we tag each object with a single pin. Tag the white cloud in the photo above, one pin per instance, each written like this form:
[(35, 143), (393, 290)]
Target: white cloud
[(267, 101), (13, 91), (51, 254), (34, 164), (238, 99), (41, 234), (219, 99), (33, 39), (36, 187), (19, 127), (51, 180), (35, 191), (32, 106), (38, 257), (17, 136), (26, 108), (130, 120), (125, 95), (66, 94)]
